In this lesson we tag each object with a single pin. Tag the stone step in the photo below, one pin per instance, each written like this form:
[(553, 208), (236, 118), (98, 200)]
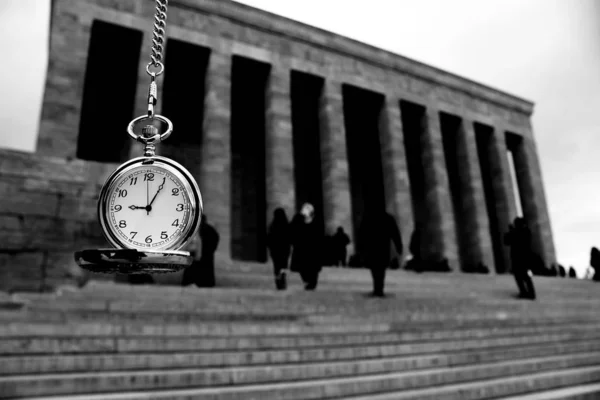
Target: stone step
[(215, 358), (128, 328), (579, 392), (404, 312), (40, 344), (500, 378), (492, 293), (301, 304), (404, 284), (516, 386), (24, 365), (473, 328)]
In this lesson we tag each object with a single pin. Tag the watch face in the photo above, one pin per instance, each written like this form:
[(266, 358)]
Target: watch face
[(149, 207)]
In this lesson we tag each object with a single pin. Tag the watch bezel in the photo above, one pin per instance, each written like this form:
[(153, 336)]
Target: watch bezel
[(171, 166)]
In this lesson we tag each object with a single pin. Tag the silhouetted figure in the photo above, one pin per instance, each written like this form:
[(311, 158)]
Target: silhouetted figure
[(595, 263), (202, 272), (561, 271), (518, 238), (307, 242), (377, 231), (572, 272), (279, 242), (339, 242)]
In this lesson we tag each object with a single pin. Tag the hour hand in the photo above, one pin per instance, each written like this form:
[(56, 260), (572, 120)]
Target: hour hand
[(137, 207)]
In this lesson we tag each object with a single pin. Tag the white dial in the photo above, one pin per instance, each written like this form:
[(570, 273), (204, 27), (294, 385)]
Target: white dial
[(148, 207)]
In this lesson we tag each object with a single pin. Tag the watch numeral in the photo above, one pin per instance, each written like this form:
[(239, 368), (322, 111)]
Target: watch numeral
[(122, 224), (133, 234), (175, 192), (133, 181), (175, 223), (163, 235), (123, 193), (148, 239), (118, 208), (179, 207), (149, 176)]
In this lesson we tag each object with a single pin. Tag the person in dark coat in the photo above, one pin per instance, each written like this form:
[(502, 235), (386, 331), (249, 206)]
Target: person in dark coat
[(202, 272), (518, 238), (572, 272), (377, 231), (340, 242), (307, 242), (595, 263), (279, 242), (561, 271)]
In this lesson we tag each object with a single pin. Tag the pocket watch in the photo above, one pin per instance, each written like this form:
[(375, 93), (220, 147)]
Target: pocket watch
[(150, 206)]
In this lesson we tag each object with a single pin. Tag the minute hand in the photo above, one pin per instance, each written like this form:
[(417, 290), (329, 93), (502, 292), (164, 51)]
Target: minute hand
[(159, 189)]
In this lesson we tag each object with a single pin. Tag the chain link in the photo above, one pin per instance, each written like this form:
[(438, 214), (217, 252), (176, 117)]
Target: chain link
[(158, 37)]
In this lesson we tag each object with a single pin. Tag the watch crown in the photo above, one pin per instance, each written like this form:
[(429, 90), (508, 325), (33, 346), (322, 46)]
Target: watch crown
[(149, 131)]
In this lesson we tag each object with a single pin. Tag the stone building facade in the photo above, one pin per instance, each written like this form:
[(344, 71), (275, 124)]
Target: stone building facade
[(268, 112)]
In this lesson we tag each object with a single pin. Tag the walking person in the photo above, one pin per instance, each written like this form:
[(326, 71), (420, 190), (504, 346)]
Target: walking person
[(279, 243), (202, 272), (307, 243), (377, 231), (518, 238)]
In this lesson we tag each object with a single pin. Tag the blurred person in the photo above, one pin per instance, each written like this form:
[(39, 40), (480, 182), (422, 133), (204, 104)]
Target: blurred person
[(307, 243), (518, 238), (377, 232)]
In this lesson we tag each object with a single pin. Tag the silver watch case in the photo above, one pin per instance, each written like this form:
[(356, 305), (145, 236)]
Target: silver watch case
[(189, 183)]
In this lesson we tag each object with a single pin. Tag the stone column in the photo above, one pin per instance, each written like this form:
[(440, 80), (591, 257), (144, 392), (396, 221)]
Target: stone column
[(439, 239), (279, 144), (61, 107), (395, 169), (505, 206), (215, 174), (337, 209), (533, 198), (477, 240)]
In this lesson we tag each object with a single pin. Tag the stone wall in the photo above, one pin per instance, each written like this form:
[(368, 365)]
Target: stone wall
[(47, 211)]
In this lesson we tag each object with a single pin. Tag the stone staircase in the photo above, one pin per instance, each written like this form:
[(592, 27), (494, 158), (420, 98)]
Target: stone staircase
[(436, 336)]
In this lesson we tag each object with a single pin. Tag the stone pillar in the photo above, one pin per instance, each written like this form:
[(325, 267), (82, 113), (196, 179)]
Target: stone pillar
[(504, 198), (215, 174), (279, 149), (334, 161), (477, 240), (439, 239), (61, 106), (395, 169), (533, 198)]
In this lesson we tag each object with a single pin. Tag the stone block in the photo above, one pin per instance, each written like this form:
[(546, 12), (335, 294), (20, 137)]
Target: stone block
[(21, 271)]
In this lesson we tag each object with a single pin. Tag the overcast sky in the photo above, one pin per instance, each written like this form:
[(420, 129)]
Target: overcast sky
[(547, 51)]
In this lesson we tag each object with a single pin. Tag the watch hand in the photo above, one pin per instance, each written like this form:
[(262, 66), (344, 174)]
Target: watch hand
[(147, 197), (149, 208), (137, 207)]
